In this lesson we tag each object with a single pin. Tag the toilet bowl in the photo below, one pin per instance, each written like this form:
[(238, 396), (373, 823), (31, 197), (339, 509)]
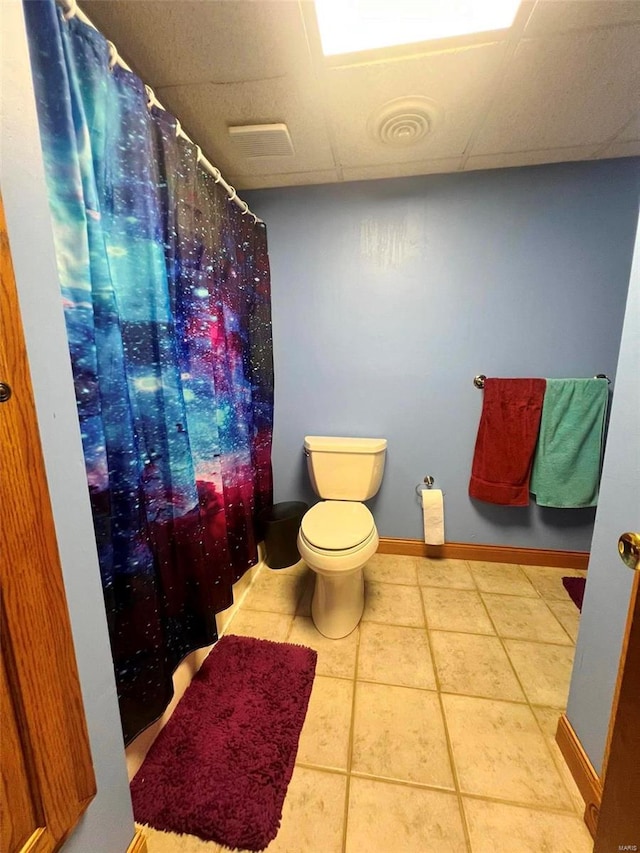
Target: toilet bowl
[(336, 540), (338, 535)]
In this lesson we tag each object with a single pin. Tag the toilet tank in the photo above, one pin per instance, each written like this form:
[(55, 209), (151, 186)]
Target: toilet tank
[(345, 469)]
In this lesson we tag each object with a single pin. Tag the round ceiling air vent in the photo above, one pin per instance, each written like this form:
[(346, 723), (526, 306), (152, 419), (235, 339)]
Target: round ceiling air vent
[(404, 121)]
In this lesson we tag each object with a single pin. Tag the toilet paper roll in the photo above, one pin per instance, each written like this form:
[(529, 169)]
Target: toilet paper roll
[(433, 516)]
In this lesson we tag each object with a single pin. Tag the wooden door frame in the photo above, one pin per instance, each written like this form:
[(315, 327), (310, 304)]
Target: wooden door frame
[(37, 644), (618, 823), (606, 792)]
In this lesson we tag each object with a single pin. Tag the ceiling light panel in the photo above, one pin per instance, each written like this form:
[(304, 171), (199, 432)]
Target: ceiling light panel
[(349, 26)]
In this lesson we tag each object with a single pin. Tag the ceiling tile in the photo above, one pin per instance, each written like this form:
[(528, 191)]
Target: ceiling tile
[(528, 158), (631, 131), (400, 170), (576, 89), (558, 16), (457, 80), (207, 111), (626, 143), (630, 148), (570, 91), (171, 43), (255, 182)]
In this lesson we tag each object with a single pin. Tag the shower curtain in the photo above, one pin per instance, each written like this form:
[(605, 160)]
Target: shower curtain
[(166, 294)]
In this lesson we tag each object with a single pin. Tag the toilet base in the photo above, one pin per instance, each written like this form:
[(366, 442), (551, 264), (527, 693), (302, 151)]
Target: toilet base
[(338, 602)]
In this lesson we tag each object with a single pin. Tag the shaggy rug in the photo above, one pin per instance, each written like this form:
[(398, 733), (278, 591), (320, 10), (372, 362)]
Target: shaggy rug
[(575, 588), (221, 766)]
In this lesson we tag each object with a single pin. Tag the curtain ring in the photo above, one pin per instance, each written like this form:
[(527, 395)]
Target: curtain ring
[(151, 97), (217, 175), (198, 154), (70, 9), (178, 128), (113, 55), (255, 218), (232, 193), (246, 208)]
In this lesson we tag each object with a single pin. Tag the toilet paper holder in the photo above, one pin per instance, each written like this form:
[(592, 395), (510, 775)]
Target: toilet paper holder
[(427, 483)]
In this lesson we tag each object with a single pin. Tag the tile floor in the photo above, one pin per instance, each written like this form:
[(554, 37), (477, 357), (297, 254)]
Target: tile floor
[(431, 728)]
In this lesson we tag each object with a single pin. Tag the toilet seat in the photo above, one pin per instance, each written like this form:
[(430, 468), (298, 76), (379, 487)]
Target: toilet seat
[(343, 552), (332, 527)]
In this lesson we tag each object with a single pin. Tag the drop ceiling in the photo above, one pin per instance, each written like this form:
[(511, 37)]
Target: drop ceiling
[(562, 84)]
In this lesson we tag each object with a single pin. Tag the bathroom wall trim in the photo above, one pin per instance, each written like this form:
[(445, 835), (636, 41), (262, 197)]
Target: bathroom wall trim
[(582, 770), (486, 553)]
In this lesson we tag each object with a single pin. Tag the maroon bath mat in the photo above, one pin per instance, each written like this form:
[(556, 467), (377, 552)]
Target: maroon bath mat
[(575, 588), (221, 766)]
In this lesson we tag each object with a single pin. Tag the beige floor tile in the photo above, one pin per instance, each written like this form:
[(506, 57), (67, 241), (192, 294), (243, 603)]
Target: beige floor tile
[(495, 827), (275, 593), (474, 665), (499, 751), (525, 619), (304, 605), (171, 842), (335, 657), (544, 670), (391, 568), (264, 626), (567, 614), (243, 583), (324, 740), (399, 734), (387, 818), (548, 581), (548, 719), (299, 568), (393, 604), (224, 617), (313, 813), (451, 574), (455, 610), (395, 655), (505, 578)]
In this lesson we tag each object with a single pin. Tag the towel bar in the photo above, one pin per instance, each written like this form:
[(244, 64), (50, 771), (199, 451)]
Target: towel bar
[(478, 380)]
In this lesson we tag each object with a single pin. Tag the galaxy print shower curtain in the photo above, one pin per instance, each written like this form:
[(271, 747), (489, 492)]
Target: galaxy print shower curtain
[(166, 293)]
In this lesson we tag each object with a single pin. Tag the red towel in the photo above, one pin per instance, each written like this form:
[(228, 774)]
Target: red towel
[(506, 441)]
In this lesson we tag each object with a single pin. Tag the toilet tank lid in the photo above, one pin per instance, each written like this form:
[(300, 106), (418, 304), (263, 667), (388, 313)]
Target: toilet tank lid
[(336, 444)]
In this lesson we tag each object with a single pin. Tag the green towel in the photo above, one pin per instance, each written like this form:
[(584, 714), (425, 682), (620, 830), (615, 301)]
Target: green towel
[(566, 466)]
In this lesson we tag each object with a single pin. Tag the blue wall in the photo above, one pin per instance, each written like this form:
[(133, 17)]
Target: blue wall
[(606, 601), (390, 296)]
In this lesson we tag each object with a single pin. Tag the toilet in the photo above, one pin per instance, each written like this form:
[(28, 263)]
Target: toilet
[(338, 535)]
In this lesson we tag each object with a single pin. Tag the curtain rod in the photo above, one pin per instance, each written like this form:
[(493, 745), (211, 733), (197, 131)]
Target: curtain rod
[(71, 9)]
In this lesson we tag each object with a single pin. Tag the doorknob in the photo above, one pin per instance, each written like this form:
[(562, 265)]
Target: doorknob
[(629, 550), (5, 392)]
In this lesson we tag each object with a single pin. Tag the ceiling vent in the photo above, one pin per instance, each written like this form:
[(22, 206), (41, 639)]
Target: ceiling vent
[(404, 121), (262, 140)]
